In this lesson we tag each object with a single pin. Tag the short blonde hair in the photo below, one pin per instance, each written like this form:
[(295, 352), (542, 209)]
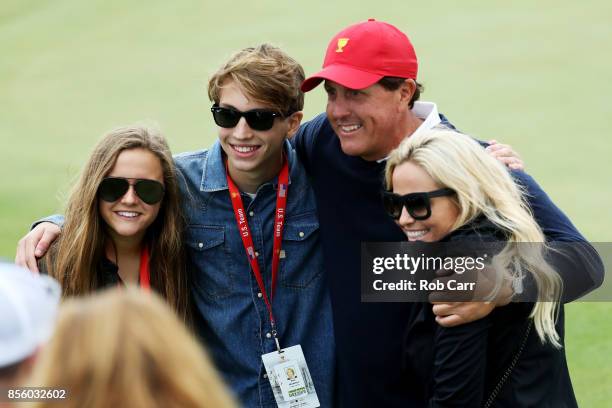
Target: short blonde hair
[(124, 347), (265, 74)]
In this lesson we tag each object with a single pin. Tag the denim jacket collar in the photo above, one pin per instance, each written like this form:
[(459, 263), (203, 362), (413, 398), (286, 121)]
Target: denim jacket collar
[(213, 174)]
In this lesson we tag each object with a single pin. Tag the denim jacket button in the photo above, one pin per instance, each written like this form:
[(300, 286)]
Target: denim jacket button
[(256, 253), (259, 295), (200, 245), (265, 375), (251, 213), (269, 335), (301, 234)]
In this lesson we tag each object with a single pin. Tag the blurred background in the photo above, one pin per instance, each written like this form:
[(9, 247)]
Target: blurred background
[(535, 75)]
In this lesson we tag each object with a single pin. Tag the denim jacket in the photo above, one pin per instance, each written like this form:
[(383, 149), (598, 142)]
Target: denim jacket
[(235, 323)]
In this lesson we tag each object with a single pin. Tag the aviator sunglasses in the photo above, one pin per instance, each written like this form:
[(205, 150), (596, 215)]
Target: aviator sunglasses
[(113, 188), (418, 205), (257, 119)]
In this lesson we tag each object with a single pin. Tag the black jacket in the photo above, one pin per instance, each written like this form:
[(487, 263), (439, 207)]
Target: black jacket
[(497, 361)]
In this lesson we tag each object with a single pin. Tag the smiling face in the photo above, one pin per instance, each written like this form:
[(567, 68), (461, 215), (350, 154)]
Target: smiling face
[(253, 155), (368, 121), (129, 217), (411, 178)]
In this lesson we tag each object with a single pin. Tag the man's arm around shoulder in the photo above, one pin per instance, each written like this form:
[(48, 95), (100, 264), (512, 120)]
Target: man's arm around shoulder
[(575, 259)]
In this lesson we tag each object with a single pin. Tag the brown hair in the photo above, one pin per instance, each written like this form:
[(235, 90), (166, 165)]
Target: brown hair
[(393, 83), (75, 258), (265, 74), (124, 347)]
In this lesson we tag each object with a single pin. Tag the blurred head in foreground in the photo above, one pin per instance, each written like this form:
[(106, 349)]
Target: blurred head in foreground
[(28, 305), (124, 347)]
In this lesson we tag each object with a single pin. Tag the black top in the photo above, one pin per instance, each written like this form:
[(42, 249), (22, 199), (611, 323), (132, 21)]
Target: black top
[(107, 271), (369, 336), (108, 274), (497, 361)]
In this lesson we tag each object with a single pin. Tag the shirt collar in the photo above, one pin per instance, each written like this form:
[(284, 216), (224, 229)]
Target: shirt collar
[(428, 112), (213, 173)]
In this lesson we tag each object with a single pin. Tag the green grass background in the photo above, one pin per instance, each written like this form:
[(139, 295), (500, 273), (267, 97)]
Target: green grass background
[(532, 74)]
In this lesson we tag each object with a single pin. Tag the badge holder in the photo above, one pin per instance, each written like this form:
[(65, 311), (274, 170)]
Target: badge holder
[(290, 378)]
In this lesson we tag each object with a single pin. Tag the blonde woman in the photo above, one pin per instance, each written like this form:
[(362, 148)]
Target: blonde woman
[(125, 348), (443, 186)]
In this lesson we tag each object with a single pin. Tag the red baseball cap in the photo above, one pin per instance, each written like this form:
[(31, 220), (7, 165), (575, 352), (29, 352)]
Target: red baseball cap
[(363, 53)]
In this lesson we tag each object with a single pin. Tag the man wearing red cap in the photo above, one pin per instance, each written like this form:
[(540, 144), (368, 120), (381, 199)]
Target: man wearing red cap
[(363, 65), (370, 71)]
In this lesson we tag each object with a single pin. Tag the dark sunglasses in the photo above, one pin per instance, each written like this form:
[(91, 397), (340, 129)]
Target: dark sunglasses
[(257, 119), (417, 204), (113, 188)]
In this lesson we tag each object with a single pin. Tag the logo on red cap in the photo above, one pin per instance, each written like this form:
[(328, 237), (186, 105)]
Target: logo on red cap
[(341, 44)]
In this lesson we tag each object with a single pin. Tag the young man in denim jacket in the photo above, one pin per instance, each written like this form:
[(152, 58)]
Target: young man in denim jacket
[(257, 105)]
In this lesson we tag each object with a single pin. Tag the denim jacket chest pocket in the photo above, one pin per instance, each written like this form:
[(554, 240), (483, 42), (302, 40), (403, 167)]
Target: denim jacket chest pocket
[(301, 262), (212, 259)]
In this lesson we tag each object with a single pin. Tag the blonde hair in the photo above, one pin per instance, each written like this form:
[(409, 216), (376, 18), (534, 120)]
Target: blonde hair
[(75, 258), (265, 74), (124, 347), (485, 187)]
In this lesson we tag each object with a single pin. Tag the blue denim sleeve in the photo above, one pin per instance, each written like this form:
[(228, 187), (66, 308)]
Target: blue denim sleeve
[(56, 219), (575, 259)]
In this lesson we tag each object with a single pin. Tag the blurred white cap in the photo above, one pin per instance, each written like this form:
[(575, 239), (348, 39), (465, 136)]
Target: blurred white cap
[(28, 308)]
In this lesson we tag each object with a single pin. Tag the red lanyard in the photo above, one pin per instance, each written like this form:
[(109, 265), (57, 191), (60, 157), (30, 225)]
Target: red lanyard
[(145, 273), (247, 240)]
